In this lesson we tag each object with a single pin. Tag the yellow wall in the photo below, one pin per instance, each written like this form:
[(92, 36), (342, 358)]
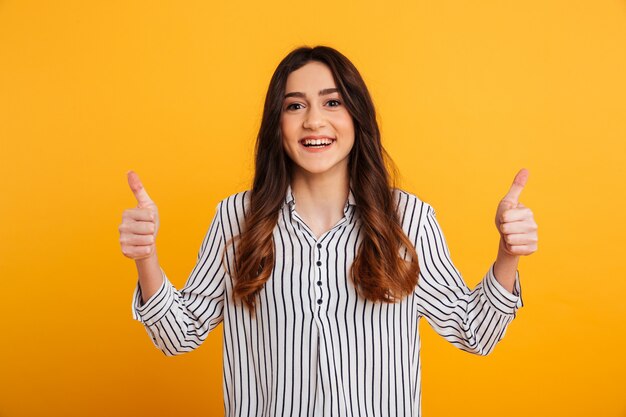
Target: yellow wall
[(468, 92)]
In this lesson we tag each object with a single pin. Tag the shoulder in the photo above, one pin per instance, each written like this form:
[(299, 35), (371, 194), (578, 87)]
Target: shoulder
[(407, 201), (237, 201), (231, 210), (412, 212)]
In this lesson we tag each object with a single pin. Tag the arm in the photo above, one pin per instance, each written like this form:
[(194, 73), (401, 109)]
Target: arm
[(476, 320), (472, 320), (179, 321)]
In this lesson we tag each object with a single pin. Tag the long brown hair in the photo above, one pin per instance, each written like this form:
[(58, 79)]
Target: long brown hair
[(379, 272)]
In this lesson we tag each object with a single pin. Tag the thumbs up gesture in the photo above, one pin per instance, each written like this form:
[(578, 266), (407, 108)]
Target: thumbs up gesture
[(515, 222), (139, 225)]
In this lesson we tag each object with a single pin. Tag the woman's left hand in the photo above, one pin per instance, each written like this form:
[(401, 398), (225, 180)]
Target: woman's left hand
[(515, 221)]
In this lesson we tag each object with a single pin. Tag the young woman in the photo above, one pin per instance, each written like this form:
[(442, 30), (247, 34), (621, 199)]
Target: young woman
[(322, 270)]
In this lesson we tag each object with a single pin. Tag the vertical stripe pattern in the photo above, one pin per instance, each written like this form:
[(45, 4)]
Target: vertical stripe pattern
[(316, 348)]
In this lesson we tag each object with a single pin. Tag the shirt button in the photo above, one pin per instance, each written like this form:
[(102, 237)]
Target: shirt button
[(319, 245), (319, 263), (319, 283), (319, 301)]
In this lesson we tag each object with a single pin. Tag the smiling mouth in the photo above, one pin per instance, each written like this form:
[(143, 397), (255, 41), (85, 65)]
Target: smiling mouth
[(317, 143)]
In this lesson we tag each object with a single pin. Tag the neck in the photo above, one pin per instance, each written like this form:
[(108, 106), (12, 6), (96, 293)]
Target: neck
[(322, 196)]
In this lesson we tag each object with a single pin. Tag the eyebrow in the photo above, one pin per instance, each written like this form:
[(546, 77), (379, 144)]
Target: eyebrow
[(321, 93)]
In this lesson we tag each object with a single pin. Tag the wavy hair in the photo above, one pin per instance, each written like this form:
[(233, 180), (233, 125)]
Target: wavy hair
[(379, 271)]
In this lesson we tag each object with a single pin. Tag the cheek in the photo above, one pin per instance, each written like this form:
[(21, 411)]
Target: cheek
[(345, 125), (286, 128), (286, 136)]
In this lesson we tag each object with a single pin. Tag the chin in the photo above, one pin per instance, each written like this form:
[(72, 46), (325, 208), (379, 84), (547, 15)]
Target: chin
[(317, 169)]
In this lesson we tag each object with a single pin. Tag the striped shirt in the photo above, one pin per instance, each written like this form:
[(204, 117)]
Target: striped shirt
[(317, 348)]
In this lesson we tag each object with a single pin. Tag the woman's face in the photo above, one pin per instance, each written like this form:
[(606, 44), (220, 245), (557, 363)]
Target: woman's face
[(317, 130)]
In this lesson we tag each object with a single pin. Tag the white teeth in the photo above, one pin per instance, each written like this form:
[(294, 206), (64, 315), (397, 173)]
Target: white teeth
[(317, 142)]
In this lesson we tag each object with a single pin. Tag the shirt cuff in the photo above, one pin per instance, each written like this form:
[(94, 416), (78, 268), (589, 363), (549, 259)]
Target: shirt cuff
[(156, 306), (503, 300)]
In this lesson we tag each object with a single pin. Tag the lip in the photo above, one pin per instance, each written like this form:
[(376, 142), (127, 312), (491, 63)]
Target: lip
[(316, 150)]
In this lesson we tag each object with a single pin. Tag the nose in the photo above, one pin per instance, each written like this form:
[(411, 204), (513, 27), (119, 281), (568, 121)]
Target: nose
[(314, 119)]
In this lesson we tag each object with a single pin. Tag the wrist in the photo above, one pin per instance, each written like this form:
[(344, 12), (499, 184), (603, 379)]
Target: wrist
[(147, 262), (503, 252), (505, 267)]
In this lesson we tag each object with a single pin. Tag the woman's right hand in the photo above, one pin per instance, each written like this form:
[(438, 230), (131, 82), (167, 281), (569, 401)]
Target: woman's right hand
[(140, 225)]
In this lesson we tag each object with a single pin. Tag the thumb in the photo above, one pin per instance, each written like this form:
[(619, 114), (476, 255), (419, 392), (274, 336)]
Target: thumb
[(516, 188), (143, 199)]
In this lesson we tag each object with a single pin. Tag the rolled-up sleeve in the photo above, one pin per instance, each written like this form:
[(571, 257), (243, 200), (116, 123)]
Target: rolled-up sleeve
[(179, 321), (472, 320)]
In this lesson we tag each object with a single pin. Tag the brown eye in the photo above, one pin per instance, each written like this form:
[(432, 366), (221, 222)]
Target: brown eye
[(338, 103), (292, 106)]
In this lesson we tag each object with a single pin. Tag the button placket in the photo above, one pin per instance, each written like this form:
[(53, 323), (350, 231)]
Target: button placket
[(319, 270)]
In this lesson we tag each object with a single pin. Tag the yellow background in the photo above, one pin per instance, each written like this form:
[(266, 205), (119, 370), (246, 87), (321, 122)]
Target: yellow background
[(468, 92)]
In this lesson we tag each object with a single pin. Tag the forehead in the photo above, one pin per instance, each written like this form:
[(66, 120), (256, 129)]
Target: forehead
[(313, 76)]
